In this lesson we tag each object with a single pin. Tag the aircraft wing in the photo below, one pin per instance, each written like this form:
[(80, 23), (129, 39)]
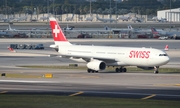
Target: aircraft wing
[(87, 59)]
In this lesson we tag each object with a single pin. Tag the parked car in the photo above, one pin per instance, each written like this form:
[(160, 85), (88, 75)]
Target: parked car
[(142, 36), (84, 36), (20, 35), (26, 46), (21, 46), (14, 46), (39, 46), (29, 46), (163, 38)]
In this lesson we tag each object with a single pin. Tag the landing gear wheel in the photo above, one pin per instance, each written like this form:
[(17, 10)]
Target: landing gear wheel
[(156, 72), (93, 71), (89, 70), (96, 71), (117, 70), (124, 69), (121, 69), (156, 69)]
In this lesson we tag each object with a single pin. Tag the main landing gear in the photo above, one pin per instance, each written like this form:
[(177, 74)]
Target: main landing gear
[(156, 69), (91, 71), (121, 69)]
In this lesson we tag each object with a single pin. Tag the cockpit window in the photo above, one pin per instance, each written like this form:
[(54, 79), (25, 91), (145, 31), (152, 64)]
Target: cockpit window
[(163, 55)]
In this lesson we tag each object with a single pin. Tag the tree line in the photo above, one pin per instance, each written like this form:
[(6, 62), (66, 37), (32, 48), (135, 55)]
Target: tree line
[(143, 7)]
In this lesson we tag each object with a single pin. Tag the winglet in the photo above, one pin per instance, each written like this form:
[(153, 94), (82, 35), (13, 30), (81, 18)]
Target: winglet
[(166, 48)]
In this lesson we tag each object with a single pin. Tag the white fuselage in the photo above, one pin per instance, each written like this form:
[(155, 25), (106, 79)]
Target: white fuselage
[(124, 56)]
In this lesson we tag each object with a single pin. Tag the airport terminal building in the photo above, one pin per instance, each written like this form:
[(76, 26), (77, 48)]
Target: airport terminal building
[(172, 15)]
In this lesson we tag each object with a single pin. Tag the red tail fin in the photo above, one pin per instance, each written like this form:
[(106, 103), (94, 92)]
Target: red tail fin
[(154, 31), (57, 33)]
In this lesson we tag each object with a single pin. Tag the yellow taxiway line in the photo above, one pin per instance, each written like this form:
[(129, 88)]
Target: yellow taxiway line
[(149, 96), (3, 92), (166, 85), (78, 93)]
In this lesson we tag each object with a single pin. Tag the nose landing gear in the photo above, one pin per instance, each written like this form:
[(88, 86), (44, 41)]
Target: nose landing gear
[(156, 69)]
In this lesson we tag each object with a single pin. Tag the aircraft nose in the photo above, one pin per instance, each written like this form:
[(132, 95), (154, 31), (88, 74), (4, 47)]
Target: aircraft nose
[(166, 60)]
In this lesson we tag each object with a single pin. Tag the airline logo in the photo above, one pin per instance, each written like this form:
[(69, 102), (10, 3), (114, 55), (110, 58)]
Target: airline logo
[(139, 54), (57, 33)]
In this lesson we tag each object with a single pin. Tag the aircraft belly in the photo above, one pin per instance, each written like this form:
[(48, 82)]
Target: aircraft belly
[(137, 62)]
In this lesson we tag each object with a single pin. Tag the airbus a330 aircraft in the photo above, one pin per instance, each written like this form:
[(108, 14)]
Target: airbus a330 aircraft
[(98, 57)]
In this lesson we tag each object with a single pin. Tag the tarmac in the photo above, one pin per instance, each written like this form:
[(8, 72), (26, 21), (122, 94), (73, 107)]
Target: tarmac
[(45, 25), (138, 85)]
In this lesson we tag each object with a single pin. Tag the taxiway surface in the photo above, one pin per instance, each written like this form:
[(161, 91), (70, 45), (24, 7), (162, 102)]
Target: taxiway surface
[(66, 82)]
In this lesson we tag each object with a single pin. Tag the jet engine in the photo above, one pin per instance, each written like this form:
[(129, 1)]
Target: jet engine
[(96, 65), (146, 68)]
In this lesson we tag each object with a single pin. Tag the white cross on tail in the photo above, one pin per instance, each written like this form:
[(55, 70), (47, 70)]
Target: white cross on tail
[(56, 31)]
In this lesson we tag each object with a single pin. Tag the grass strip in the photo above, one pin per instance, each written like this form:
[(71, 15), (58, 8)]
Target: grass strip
[(16, 75), (110, 69), (55, 101)]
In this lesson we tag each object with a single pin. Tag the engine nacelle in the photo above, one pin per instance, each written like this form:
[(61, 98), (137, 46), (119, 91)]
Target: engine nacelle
[(96, 65), (146, 68)]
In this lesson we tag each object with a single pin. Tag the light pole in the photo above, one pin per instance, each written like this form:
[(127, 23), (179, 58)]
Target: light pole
[(170, 11), (6, 8), (90, 7), (170, 15), (116, 13), (110, 14), (53, 7), (48, 7)]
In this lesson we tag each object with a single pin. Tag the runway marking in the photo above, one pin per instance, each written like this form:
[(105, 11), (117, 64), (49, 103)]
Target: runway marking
[(166, 85), (84, 76), (78, 93), (149, 96), (3, 92), (26, 81), (177, 84)]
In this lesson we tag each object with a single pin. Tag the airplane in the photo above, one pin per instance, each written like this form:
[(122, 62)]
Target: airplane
[(124, 18), (155, 33), (44, 18), (134, 30), (105, 20), (23, 18), (170, 35), (69, 18), (99, 57), (7, 19), (10, 29), (159, 19), (89, 18), (5, 34), (136, 19), (68, 28), (128, 29)]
